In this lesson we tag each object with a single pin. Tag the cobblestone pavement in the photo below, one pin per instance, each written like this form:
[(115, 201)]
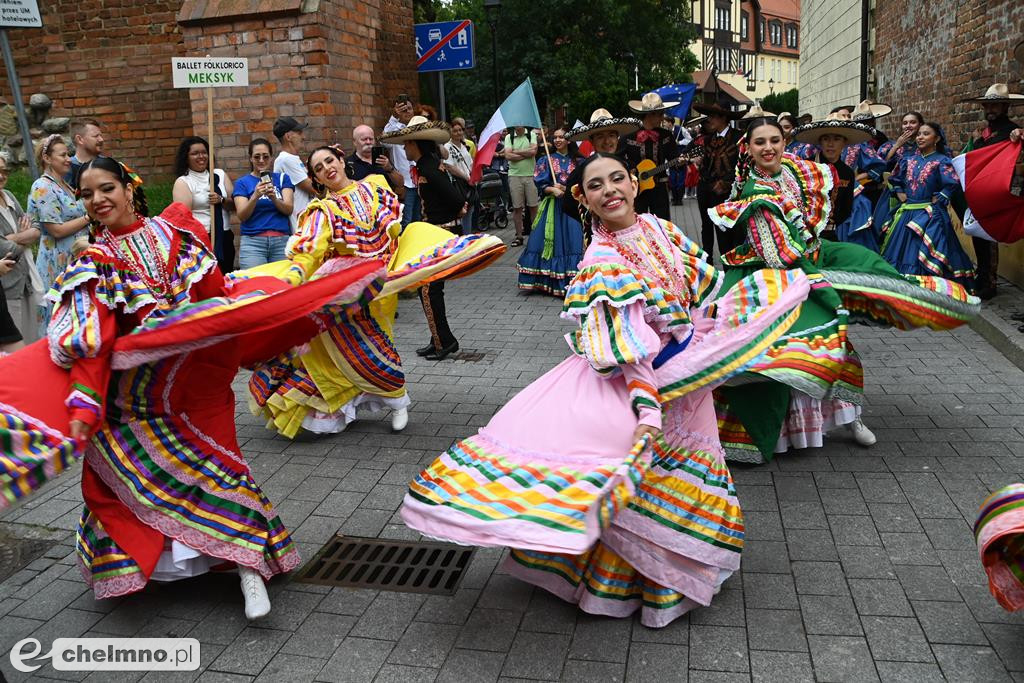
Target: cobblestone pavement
[(859, 564)]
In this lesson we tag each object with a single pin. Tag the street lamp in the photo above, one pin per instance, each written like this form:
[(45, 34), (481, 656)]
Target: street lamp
[(493, 7), (771, 86)]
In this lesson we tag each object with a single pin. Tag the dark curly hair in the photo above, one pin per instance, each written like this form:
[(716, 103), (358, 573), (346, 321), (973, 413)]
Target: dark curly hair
[(123, 175), (338, 153), (181, 156)]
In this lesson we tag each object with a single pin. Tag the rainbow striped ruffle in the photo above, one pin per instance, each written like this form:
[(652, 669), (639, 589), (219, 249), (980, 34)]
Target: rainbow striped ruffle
[(999, 532), (915, 301), (31, 453)]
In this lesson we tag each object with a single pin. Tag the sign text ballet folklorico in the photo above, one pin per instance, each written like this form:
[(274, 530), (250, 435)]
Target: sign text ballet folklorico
[(210, 72)]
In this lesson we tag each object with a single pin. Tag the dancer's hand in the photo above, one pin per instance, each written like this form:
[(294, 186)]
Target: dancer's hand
[(645, 430), (79, 430), (902, 196), (1016, 134)]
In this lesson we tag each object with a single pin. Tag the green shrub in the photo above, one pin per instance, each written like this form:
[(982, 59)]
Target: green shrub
[(158, 193)]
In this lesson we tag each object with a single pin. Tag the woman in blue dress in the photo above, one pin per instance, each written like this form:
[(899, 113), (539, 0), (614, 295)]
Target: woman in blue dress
[(892, 152), (555, 247), (801, 150), (919, 240)]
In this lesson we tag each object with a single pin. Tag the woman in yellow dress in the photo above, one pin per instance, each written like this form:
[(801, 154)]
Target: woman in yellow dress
[(354, 363)]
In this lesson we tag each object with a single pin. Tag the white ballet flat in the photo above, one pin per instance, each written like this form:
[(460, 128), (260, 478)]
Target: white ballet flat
[(257, 602)]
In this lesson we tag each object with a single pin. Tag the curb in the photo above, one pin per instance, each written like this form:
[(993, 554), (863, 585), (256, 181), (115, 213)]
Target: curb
[(1001, 335)]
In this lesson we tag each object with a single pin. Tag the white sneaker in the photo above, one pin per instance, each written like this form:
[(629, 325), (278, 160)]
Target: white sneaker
[(257, 602), (399, 419), (861, 434)]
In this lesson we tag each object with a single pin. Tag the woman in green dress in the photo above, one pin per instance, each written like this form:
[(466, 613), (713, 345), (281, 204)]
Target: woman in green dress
[(812, 380)]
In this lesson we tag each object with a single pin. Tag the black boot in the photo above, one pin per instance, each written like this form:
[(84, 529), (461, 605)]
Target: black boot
[(424, 350)]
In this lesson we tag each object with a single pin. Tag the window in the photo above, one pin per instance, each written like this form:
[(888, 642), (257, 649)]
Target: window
[(791, 36), (775, 29), (760, 68), (723, 59), (744, 30), (723, 19), (790, 75), (760, 31)]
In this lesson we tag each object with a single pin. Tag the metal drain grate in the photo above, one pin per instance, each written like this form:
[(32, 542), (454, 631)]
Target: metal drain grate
[(469, 356), (405, 566)]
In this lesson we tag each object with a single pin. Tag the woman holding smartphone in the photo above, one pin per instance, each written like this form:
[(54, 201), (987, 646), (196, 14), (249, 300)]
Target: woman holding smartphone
[(263, 201)]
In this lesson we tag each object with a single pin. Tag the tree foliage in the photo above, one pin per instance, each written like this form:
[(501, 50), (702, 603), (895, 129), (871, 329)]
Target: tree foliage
[(783, 101), (578, 53)]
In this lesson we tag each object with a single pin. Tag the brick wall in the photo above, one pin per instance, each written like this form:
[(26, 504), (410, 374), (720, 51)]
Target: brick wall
[(929, 56), (109, 59), (332, 63), (333, 68)]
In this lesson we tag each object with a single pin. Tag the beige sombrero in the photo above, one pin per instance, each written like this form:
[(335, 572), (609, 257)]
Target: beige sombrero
[(853, 131), (602, 120), (419, 128), (650, 103), (869, 110), (998, 92), (755, 112)]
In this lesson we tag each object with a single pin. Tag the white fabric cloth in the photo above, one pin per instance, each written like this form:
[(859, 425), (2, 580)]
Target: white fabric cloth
[(398, 157), (182, 562), (199, 185), (459, 157), (292, 166)]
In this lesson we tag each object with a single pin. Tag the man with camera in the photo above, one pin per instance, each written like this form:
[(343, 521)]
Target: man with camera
[(369, 158)]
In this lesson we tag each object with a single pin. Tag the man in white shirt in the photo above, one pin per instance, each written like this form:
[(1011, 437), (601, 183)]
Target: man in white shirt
[(288, 162), (400, 115)]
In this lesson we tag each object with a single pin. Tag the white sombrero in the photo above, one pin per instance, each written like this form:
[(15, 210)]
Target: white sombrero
[(998, 92), (601, 120), (869, 110), (650, 103)]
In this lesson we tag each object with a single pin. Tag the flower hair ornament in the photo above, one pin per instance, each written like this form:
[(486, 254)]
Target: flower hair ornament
[(49, 141)]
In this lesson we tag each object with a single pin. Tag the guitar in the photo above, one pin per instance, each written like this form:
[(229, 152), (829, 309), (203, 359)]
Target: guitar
[(646, 169)]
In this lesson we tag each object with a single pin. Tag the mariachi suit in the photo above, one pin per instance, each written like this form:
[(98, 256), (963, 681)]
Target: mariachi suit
[(717, 171), (658, 145)]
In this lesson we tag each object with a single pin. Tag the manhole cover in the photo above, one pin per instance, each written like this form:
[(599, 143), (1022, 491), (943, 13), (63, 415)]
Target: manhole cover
[(469, 356), (382, 564), (17, 553)]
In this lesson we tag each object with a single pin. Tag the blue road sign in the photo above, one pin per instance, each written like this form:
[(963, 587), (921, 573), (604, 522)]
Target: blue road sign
[(444, 46)]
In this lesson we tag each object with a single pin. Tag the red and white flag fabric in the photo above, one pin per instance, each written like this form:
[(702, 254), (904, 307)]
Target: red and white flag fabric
[(994, 213), (518, 109)]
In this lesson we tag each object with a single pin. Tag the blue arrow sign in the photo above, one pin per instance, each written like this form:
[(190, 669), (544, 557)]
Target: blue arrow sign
[(444, 46)]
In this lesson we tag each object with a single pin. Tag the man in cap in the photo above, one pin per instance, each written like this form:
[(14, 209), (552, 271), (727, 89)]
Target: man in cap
[(655, 145), (996, 103), (289, 162), (721, 145)]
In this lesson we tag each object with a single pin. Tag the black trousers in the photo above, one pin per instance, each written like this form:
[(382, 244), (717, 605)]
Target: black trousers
[(987, 253), (727, 241), (655, 201), (432, 298)]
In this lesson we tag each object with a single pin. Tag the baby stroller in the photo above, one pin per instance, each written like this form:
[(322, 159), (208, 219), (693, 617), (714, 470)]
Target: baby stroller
[(490, 194)]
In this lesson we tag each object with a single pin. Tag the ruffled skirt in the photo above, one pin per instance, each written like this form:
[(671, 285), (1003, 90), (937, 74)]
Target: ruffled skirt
[(923, 242), (860, 227), (553, 251)]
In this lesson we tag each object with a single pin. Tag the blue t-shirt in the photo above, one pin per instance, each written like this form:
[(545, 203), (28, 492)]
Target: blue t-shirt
[(265, 215)]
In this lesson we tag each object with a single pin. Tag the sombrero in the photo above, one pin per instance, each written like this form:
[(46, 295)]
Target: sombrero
[(717, 108), (998, 92), (650, 103), (419, 128), (869, 110), (755, 112), (851, 130), (602, 119), (693, 121)]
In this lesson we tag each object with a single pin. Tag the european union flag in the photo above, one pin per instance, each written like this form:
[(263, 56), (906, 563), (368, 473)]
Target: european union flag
[(681, 93)]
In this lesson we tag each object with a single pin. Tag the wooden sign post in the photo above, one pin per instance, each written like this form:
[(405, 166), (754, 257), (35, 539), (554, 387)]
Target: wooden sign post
[(210, 72)]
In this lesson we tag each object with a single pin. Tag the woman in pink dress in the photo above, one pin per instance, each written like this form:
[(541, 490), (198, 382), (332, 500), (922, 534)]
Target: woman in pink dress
[(606, 475)]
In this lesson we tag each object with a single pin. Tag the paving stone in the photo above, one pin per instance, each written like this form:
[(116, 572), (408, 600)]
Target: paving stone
[(894, 517), (290, 609), (949, 622), (538, 656), (600, 639), (577, 671), (291, 668), (927, 583), (970, 663), (762, 525), (866, 562), (725, 610), (769, 591), (803, 515), (950, 534), (832, 615), (792, 667), (388, 616), (546, 613), (320, 634), (718, 648), (910, 548), (820, 578), (49, 602), (453, 609), (984, 607), (675, 633), (853, 530), (657, 663), (471, 666), (489, 629), (896, 639), (251, 650), (776, 629), (506, 592), (700, 676), (757, 498), (424, 644), (813, 545), (766, 556), (395, 673), (357, 660), (796, 488), (847, 501), (841, 658), (909, 672)]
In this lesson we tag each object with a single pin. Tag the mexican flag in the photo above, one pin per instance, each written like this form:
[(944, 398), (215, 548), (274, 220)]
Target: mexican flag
[(518, 109), (993, 213)]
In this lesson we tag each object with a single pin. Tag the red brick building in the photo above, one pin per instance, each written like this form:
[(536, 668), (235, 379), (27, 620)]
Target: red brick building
[(332, 63)]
